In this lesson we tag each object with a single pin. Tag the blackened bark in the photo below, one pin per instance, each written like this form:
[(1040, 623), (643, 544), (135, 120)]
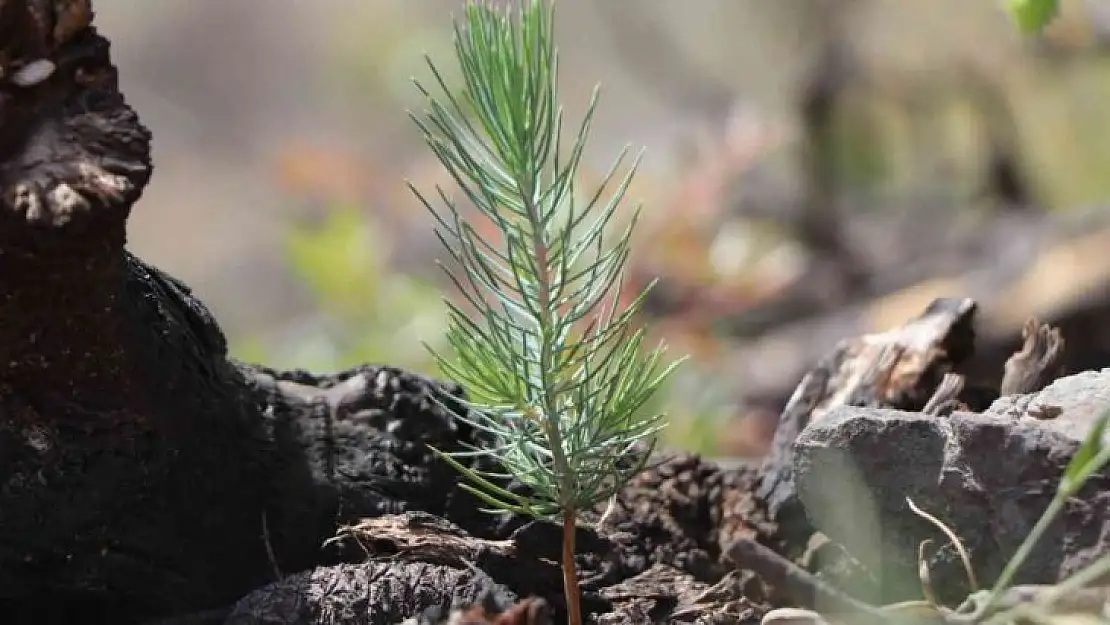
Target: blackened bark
[(142, 472)]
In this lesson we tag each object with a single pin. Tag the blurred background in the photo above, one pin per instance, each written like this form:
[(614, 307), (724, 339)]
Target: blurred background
[(814, 169)]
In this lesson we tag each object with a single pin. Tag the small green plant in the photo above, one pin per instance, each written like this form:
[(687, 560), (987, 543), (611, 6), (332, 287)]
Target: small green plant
[(367, 312), (555, 373), (1031, 16)]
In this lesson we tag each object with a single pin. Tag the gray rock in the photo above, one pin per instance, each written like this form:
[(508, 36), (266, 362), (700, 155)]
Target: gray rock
[(988, 476), (1082, 398)]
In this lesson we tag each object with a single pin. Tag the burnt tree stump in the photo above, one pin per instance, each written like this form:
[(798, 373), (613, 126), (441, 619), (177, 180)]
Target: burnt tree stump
[(142, 472)]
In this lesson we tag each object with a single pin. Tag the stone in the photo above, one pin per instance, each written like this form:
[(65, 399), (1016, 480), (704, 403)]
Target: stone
[(988, 476)]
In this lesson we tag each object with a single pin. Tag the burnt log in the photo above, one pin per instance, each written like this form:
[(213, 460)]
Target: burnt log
[(143, 473)]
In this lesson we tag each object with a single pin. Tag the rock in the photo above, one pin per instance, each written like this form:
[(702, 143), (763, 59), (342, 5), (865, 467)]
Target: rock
[(988, 476), (1082, 398)]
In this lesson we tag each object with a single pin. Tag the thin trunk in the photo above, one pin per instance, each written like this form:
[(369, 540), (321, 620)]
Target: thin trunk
[(570, 572)]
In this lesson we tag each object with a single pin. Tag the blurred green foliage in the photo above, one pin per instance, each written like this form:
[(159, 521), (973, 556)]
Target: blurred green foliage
[(367, 312), (1031, 16)]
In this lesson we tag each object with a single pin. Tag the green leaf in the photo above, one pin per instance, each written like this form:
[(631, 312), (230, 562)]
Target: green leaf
[(1031, 16), (1088, 459)]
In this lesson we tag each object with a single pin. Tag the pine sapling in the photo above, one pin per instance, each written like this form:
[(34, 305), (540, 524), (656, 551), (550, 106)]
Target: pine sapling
[(555, 373)]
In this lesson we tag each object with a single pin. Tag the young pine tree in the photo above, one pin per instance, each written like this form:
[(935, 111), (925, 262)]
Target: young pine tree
[(556, 374)]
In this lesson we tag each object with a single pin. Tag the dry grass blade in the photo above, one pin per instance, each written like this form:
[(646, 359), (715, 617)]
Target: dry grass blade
[(964, 557), (923, 574)]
